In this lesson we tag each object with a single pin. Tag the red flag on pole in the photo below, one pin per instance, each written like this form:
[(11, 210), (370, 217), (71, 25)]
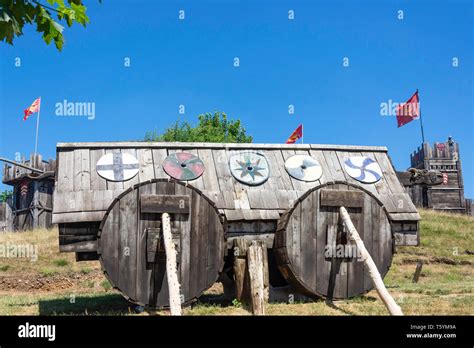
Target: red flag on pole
[(409, 111), (298, 133), (35, 107)]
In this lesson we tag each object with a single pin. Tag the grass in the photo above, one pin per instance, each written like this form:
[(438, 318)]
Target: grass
[(446, 284), (47, 272), (61, 262)]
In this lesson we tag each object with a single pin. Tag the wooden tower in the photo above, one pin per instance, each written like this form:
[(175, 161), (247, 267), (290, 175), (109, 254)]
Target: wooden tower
[(444, 158), (31, 205)]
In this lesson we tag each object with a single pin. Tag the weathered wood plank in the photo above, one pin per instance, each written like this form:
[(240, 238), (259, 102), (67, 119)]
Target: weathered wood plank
[(79, 247), (337, 198), (84, 201), (307, 236), (210, 180), (127, 256), (78, 217), (144, 276), (178, 204), (145, 160), (278, 175), (159, 155), (82, 228), (97, 182), (225, 179), (65, 171)]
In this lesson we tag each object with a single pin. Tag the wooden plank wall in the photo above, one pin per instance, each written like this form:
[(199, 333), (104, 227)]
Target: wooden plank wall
[(82, 195)]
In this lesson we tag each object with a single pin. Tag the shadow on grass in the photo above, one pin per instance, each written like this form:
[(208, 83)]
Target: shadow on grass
[(331, 304), (214, 299), (107, 304)]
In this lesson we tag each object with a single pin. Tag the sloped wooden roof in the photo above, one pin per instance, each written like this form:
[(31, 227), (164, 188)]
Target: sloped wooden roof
[(82, 195)]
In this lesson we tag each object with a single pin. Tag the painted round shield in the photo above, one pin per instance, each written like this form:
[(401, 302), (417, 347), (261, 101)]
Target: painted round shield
[(363, 169), (250, 168), (183, 166), (303, 168), (117, 166)]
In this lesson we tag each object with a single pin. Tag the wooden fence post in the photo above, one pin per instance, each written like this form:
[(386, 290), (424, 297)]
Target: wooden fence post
[(387, 299), (171, 271)]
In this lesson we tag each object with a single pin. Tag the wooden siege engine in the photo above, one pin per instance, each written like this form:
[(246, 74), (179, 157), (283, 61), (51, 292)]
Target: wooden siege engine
[(110, 197)]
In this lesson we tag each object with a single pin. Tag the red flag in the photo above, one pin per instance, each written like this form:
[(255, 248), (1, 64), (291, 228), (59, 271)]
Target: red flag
[(409, 111), (298, 133), (35, 107)]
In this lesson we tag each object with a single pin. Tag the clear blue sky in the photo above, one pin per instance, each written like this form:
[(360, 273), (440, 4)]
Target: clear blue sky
[(282, 62)]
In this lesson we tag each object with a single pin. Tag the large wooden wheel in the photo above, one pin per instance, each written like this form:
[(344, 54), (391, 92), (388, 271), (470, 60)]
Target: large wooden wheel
[(312, 227), (130, 243)]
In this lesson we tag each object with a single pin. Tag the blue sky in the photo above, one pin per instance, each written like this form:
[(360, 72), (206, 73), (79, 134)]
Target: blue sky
[(283, 62)]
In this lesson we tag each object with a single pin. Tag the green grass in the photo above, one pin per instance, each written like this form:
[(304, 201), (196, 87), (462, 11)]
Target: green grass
[(61, 262), (446, 284), (106, 285), (47, 272), (86, 270)]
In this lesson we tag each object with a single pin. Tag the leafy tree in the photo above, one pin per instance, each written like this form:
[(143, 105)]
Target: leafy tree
[(15, 14), (212, 128), (4, 195)]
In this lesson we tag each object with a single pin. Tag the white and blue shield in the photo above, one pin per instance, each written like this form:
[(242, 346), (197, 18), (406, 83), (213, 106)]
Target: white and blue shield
[(363, 169), (303, 168)]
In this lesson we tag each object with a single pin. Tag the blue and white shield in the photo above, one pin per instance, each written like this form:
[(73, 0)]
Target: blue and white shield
[(363, 169), (249, 168)]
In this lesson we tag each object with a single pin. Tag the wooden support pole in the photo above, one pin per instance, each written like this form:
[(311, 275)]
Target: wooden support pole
[(171, 271), (255, 259), (35, 204), (251, 274), (240, 269), (387, 299)]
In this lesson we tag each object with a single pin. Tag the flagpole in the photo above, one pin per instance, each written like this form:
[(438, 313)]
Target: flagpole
[(302, 134), (421, 119), (37, 126)]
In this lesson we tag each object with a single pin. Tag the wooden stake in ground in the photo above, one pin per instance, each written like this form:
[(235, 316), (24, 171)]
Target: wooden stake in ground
[(251, 274), (387, 299), (255, 259), (419, 266), (171, 271)]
